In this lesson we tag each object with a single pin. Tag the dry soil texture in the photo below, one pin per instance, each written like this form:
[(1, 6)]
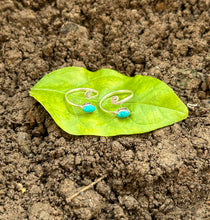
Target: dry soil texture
[(163, 174)]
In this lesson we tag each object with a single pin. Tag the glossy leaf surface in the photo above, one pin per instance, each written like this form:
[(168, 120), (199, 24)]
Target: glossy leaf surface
[(154, 104)]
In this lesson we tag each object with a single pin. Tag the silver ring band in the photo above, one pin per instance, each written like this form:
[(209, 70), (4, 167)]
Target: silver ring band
[(115, 99), (88, 95)]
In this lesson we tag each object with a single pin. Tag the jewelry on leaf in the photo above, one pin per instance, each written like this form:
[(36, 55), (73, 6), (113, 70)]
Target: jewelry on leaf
[(121, 112), (86, 107)]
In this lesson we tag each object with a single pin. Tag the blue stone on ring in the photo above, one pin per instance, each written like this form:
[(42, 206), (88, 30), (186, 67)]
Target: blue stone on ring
[(88, 108), (123, 113)]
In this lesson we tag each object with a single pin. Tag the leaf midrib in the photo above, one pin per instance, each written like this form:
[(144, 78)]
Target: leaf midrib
[(53, 90), (50, 90), (153, 105)]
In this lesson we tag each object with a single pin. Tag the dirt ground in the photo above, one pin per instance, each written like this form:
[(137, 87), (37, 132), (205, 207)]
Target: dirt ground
[(164, 174)]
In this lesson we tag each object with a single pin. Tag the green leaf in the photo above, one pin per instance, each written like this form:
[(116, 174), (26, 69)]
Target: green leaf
[(154, 104)]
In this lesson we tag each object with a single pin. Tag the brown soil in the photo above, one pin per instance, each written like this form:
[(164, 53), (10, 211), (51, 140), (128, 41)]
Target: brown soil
[(163, 174)]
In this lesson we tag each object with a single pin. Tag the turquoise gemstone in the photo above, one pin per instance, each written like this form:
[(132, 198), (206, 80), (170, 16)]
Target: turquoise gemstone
[(88, 108), (123, 114)]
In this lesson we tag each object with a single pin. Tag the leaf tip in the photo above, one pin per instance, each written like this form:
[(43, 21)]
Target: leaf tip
[(30, 92)]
